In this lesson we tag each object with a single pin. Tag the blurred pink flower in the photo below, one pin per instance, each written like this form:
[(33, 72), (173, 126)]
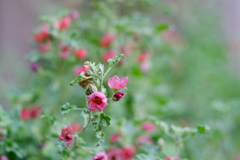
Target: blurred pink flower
[(113, 153), (44, 47), (65, 51), (34, 67), (143, 139), (3, 158), (43, 34), (76, 127), (107, 39), (148, 126), (74, 14), (128, 152), (30, 113), (67, 135), (80, 53), (117, 83), (114, 137), (64, 23), (169, 158), (144, 56), (109, 55), (100, 156), (144, 67), (97, 100), (118, 96), (84, 69)]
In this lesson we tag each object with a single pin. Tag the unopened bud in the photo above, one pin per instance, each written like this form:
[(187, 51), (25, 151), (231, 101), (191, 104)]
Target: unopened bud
[(119, 95)]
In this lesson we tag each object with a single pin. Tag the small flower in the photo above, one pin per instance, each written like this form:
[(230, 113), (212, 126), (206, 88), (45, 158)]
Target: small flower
[(34, 67), (35, 111), (25, 114), (76, 127), (100, 156), (109, 55), (148, 126), (44, 47), (67, 135), (65, 51), (114, 137), (128, 152), (169, 158), (97, 100), (64, 23), (84, 69), (3, 158), (143, 57), (143, 139), (144, 66), (80, 53), (117, 83), (107, 39), (119, 95), (74, 14), (43, 35), (113, 153)]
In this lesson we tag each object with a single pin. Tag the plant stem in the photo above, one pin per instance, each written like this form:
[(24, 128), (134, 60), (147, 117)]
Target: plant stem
[(86, 126)]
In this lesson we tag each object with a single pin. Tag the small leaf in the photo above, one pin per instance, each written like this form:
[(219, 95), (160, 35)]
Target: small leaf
[(162, 27), (202, 129), (66, 108), (104, 120), (115, 60)]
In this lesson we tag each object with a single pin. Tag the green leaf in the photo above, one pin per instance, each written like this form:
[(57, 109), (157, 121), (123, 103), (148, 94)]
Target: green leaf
[(79, 78), (115, 60), (66, 108), (162, 27), (34, 56), (202, 129), (104, 120), (101, 136)]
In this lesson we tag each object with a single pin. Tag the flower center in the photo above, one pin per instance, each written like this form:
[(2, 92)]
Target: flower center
[(97, 100)]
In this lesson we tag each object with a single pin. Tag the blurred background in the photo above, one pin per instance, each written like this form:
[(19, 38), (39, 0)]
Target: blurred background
[(205, 81)]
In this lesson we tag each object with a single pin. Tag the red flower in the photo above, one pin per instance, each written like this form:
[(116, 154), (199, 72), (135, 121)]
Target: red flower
[(80, 53), (128, 152), (43, 35), (84, 69), (67, 135), (30, 113), (116, 83), (107, 39)]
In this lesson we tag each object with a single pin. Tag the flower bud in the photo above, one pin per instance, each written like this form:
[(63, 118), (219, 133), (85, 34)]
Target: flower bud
[(92, 88), (34, 67), (119, 95)]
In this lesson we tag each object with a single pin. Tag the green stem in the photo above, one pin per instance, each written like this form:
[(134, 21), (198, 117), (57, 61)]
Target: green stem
[(86, 126)]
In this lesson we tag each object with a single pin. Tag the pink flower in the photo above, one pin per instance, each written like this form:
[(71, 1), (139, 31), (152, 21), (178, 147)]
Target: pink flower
[(109, 55), (76, 127), (143, 139), (30, 113), (97, 100), (117, 83), (35, 111), (43, 35), (144, 67), (128, 152), (34, 67), (148, 126), (64, 23), (169, 158), (107, 39), (3, 158), (84, 69), (113, 153), (114, 137), (144, 56), (80, 53), (100, 156), (67, 135), (65, 51), (44, 47), (118, 96), (74, 14)]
